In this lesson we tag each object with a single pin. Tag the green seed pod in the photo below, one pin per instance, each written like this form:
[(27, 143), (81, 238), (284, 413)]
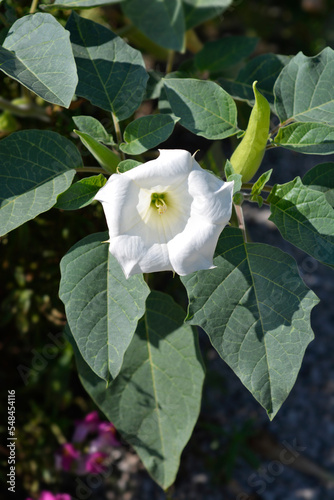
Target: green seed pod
[(247, 157)]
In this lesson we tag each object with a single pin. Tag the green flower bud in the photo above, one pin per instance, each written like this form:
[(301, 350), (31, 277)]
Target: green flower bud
[(247, 157)]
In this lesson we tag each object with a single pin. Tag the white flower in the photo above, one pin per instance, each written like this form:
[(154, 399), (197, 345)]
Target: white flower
[(166, 214)]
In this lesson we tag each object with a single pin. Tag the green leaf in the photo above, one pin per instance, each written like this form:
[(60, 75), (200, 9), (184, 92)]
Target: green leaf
[(81, 193), (264, 69), (126, 165), (232, 176), (146, 133), (304, 90), (106, 158), (308, 138), (111, 74), (260, 183), (225, 52), (154, 84), (305, 218), (94, 128), (36, 166), (321, 178), (256, 310), (38, 54), (160, 20), (198, 11), (155, 400), (80, 4), (102, 306), (204, 108)]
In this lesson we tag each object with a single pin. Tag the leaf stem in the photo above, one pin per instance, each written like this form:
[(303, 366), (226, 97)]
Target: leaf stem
[(33, 7), (241, 221), (97, 170), (118, 133), (170, 61)]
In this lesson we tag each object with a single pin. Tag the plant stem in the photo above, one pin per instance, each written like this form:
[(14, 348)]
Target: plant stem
[(95, 170), (4, 20), (25, 110), (118, 134), (170, 60), (33, 7), (241, 220)]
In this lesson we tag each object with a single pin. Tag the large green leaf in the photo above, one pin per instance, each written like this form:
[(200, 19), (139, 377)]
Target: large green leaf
[(204, 107), (80, 4), (304, 90), (321, 178), (102, 306), (81, 193), (35, 167), (264, 69), (198, 11), (37, 53), (160, 20), (111, 74), (305, 218), (155, 400), (146, 132), (309, 138), (256, 310), (225, 52)]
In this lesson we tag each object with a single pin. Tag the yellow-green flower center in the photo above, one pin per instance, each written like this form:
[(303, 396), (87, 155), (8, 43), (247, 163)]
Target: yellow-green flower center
[(159, 201)]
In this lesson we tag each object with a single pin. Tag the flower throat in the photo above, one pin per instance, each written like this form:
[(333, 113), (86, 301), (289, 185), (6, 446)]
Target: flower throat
[(159, 201)]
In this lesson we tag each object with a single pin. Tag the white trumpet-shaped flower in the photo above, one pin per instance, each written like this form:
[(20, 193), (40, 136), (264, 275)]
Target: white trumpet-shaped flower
[(166, 214)]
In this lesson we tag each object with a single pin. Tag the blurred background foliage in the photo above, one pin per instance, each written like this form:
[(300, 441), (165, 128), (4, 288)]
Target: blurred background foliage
[(49, 396)]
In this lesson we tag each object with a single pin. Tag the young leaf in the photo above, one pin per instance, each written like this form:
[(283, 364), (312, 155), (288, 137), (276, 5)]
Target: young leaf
[(81, 193), (155, 400), (232, 176), (102, 306), (309, 138), (36, 166), (126, 165), (111, 74), (321, 178), (305, 218), (160, 20), (94, 128), (146, 133), (225, 52), (256, 310), (261, 182), (37, 53), (204, 108), (198, 11), (265, 69), (106, 158), (304, 89)]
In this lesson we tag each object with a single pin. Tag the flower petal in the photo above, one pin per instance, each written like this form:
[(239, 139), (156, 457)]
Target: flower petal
[(169, 169), (135, 257), (212, 196), (119, 197), (193, 249)]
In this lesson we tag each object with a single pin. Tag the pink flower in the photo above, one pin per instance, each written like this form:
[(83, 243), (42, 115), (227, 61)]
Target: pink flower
[(95, 462), (106, 437), (86, 426), (47, 495), (65, 458)]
